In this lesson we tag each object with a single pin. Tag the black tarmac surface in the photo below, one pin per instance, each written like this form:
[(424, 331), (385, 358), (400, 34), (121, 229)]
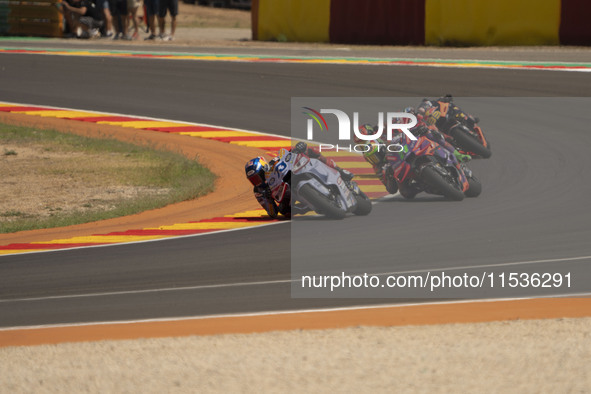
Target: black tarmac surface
[(534, 205)]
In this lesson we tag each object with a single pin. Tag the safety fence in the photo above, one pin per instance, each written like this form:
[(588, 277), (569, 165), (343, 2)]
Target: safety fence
[(424, 22)]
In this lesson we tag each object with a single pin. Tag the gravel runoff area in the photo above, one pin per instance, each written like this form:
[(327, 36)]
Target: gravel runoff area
[(527, 356)]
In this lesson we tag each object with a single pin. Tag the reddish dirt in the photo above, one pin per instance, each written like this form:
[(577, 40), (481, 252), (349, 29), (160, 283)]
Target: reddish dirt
[(232, 192), (468, 312)]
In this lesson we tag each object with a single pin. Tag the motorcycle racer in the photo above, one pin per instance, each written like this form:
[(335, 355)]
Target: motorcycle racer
[(379, 159), (257, 170), (426, 127), (460, 128), (443, 113), (383, 162)]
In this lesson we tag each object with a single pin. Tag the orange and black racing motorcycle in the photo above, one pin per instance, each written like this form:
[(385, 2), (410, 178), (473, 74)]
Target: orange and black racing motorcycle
[(460, 128)]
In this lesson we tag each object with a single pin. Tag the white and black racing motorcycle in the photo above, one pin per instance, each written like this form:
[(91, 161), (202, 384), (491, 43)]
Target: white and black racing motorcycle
[(309, 184)]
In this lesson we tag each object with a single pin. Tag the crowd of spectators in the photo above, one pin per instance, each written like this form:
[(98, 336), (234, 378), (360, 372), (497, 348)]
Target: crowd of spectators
[(119, 19)]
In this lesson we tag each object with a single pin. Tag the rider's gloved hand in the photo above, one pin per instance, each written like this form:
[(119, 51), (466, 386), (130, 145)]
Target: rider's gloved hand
[(346, 175), (462, 158), (300, 147)]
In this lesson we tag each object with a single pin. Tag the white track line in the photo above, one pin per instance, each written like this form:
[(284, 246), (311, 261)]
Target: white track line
[(277, 282), (289, 312)]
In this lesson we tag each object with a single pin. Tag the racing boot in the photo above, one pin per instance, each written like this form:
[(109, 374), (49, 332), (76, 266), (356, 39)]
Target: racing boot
[(408, 191), (388, 180)]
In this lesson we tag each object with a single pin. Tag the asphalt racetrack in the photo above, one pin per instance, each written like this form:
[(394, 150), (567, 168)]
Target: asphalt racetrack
[(533, 214)]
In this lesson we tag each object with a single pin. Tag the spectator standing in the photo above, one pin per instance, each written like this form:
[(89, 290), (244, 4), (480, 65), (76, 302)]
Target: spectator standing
[(103, 7), (119, 12), (151, 10), (132, 7), (172, 6)]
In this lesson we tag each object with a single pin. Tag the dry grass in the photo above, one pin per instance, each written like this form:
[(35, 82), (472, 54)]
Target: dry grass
[(51, 179)]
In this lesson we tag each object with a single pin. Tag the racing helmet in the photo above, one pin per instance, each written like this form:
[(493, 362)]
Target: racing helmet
[(426, 103), (255, 170), (365, 129), (417, 112), (405, 120), (410, 110)]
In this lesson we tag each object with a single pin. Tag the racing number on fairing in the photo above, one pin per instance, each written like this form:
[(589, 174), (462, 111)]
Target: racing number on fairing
[(281, 166)]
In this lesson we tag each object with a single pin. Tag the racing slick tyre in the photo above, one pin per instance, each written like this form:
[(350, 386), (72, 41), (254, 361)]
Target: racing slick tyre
[(431, 177), (321, 203), (285, 209), (474, 187), (363, 204), (469, 144)]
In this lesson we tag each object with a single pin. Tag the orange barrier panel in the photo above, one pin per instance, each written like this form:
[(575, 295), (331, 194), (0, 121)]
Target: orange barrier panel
[(31, 18), (293, 20), (419, 22), (499, 22)]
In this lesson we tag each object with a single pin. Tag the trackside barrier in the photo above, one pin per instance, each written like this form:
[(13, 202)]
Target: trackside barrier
[(424, 22), (40, 18), (292, 20), (574, 22), (499, 22), (393, 22)]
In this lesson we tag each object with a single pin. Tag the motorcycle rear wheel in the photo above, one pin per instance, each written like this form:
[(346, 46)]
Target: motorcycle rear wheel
[(321, 203), (431, 177)]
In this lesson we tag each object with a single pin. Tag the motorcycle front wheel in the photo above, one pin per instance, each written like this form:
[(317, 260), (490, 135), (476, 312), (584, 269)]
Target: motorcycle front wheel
[(469, 144), (434, 179), (474, 187)]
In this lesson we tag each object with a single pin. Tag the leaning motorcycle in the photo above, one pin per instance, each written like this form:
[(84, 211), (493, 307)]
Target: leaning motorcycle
[(462, 130), (312, 185), (425, 166)]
